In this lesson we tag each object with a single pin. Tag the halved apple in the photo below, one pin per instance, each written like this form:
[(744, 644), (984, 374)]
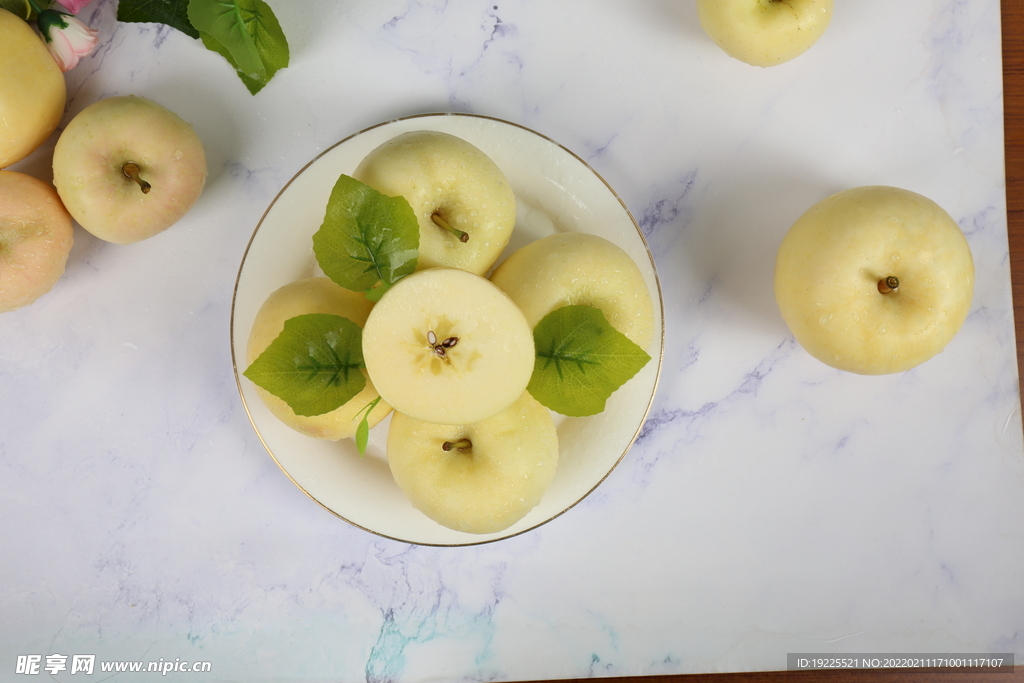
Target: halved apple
[(446, 346)]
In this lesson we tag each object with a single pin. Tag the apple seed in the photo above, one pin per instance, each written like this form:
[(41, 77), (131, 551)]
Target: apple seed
[(130, 169), (441, 348)]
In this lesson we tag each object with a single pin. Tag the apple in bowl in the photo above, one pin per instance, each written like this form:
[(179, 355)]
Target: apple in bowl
[(874, 280), (302, 297), (463, 203), (579, 268), (478, 478), (128, 168), (764, 32)]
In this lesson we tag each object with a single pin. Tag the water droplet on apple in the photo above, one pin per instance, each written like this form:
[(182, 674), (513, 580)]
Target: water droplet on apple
[(881, 330), (177, 155), (894, 256)]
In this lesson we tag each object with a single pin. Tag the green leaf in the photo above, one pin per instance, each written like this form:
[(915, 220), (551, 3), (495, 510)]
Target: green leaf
[(224, 20), (375, 293), (363, 428), (581, 360), (366, 237), (362, 435), (271, 46), (19, 8), (313, 365), (174, 13), (254, 85)]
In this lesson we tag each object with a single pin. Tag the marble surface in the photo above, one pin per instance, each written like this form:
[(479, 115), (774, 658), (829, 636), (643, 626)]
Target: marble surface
[(770, 505)]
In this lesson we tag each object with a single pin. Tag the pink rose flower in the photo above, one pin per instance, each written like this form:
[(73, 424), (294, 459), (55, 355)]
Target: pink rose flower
[(74, 6), (67, 38)]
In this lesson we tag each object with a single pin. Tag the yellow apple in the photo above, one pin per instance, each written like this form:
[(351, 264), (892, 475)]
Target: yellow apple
[(32, 90), (571, 268), (874, 280), (35, 239), (446, 346), (464, 204), (127, 168), (314, 295), (764, 32), (478, 478)]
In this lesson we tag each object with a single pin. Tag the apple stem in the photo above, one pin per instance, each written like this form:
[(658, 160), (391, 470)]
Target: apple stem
[(888, 284), (461, 444), (131, 170), (442, 223)]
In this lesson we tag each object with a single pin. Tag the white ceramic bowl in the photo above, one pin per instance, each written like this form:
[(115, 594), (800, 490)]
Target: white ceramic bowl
[(555, 191)]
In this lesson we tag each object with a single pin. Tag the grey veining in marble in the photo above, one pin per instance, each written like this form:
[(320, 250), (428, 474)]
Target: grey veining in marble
[(771, 504)]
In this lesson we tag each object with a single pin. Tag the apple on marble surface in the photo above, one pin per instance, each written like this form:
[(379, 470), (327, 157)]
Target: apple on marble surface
[(446, 346), (32, 90), (572, 268), (874, 280), (463, 203), (478, 478), (127, 168), (314, 295), (36, 235), (764, 32)]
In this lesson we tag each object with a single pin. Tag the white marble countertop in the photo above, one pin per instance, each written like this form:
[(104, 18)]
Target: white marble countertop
[(770, 505)]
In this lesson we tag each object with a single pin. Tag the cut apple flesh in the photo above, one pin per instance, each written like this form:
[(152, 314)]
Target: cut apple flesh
[(448, 347), (478, 478)]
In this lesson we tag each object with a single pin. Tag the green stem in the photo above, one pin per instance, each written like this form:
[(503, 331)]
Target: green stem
[(442, 223)]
